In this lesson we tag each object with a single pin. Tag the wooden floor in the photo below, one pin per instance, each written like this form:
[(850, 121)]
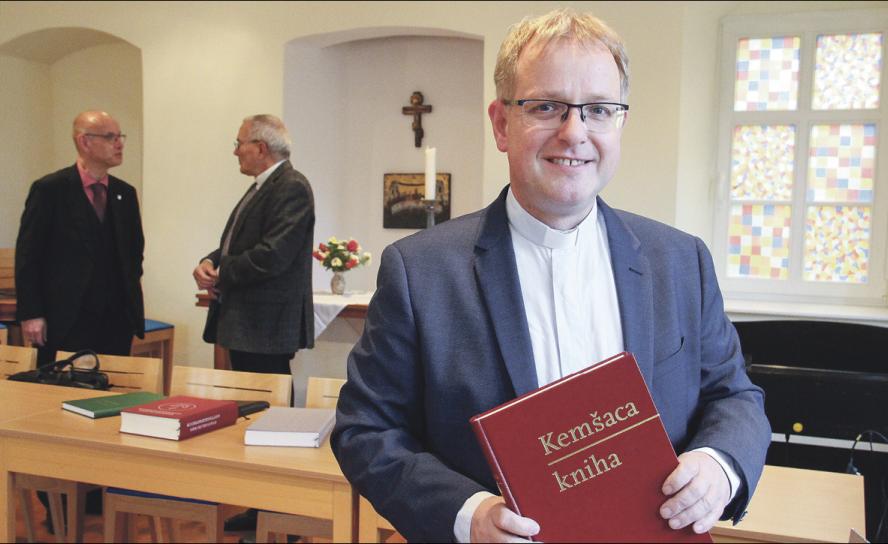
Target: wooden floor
[(94, 527)]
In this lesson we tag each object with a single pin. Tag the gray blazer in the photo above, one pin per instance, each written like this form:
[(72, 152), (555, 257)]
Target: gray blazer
[(446, 337), (265, 280)]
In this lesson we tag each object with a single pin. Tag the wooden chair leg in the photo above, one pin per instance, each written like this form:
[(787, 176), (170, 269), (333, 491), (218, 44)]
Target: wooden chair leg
[(76, 503), (262, 532), (115, 522), (58, 515), (27, 513), (172, 530), (216, 526)]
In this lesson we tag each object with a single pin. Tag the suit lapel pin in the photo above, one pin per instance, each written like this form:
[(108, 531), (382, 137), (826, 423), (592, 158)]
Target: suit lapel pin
[(119, 197)]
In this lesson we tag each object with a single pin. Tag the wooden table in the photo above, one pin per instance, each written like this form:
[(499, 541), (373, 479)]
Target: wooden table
[(42, 439), (797, 505), (790, 505)]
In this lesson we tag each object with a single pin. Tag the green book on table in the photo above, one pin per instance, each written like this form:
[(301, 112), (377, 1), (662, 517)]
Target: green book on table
[(97, 407)]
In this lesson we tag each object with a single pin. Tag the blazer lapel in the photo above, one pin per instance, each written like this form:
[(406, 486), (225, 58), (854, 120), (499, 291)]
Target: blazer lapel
[(632, 276), (497, 276), (258, 197)]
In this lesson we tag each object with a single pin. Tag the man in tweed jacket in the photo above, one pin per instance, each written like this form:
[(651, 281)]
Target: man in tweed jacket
[(260, 276)]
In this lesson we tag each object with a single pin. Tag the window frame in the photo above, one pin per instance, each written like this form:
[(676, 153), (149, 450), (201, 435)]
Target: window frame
[(807, 26)]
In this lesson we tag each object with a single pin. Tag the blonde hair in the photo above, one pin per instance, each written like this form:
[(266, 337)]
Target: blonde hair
[(562, 23)]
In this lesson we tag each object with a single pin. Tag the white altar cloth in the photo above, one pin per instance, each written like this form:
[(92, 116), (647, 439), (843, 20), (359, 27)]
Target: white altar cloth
[(327, 306)]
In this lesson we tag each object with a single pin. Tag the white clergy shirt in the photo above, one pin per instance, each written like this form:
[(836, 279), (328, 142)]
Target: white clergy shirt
[(573, 315)]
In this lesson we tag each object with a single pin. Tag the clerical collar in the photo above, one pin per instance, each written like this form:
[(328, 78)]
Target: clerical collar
[(538, 232), (260, 179)]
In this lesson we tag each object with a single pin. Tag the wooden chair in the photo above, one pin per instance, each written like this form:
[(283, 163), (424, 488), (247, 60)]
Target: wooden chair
[(196, 382), (7, 268), (16, 359), (126, 374), (274, 526), (158, 342)]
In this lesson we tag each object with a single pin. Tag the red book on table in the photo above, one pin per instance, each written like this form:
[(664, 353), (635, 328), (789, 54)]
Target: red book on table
[(179, 417), (585, 456)]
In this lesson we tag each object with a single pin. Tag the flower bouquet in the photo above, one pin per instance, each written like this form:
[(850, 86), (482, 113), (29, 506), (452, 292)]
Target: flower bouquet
[(340, 256)]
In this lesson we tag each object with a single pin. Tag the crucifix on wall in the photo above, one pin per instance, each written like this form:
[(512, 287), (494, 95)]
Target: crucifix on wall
[(416, 109)]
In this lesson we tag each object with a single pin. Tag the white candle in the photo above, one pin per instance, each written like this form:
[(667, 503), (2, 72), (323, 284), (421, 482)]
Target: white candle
[(430, 173)]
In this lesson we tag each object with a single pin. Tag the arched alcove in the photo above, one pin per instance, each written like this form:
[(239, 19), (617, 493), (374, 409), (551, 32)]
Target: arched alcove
[(49, 76), (349, 87)]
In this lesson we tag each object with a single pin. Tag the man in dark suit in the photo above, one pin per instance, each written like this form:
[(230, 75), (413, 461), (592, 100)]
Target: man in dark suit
[(260, 276), (545, 281), (78, 256)]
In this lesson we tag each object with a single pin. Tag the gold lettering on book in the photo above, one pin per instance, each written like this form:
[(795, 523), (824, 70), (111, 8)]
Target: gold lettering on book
[(592, 468), (552, 442)]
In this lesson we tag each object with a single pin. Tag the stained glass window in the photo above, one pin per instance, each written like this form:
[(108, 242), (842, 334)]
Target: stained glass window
[(841, 163), (758, 241), (847, 72), (767, 74), (762, 162), (837, 243)]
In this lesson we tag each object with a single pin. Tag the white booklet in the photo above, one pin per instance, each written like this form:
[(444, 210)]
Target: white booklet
[(301, 427)]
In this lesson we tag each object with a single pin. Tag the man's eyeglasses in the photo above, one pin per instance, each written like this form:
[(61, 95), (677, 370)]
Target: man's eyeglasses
[(110, 137), (549, 114), (238, 143)]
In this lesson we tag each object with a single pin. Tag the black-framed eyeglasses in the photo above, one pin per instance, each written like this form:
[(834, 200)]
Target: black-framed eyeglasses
[(238, 143), (111, 137), (549, 114)]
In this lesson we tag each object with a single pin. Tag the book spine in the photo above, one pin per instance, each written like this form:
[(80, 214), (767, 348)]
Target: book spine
[(493, 463), (207, 421)]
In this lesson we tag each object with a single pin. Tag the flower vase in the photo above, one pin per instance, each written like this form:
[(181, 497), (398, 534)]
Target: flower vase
[(337, 283)]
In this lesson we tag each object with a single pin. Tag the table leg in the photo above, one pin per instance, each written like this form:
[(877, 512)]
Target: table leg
[(7, 502), (343, 522), (368, 530)]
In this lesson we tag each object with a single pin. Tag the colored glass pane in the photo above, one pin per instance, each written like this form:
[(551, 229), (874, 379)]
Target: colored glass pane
[(837, 243), (762, 158), (758, 241), (841, 166), (767, 74), (847, 72)]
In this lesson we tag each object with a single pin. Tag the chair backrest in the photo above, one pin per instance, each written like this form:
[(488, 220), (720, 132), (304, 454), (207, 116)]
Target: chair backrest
[(212, 383), (128, 374), (16, 359), (322, 392), (7, 268)]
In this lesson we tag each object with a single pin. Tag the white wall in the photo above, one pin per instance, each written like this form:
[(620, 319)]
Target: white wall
[(39, 101), (25, 130), (104, 77), (207, 66), (345, 101)]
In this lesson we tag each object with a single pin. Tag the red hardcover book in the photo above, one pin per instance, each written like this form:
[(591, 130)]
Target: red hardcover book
[(585, 457), (178, 418)]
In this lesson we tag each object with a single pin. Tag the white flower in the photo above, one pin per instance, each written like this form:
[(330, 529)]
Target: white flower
[(336, 262)]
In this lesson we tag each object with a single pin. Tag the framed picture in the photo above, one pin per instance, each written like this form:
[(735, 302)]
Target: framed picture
[(402, 200)]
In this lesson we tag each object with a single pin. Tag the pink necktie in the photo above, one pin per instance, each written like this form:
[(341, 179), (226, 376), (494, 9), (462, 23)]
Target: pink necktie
[(99, 200)]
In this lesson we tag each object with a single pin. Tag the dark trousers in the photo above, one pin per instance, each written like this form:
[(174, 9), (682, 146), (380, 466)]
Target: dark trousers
[(110, 333), (264, 363)]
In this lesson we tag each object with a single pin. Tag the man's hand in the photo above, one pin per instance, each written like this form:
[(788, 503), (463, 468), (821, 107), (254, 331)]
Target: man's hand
[(34, 331), (700, 491), (494, 522), (206, 275)]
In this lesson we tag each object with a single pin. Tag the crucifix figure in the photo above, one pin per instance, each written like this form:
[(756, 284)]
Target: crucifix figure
[(416, 109)]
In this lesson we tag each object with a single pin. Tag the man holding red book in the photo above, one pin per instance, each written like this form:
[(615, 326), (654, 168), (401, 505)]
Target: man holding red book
[(545, 281)]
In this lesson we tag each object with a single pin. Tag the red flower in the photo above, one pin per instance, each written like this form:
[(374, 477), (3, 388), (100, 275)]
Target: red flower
[(351, 264), (352, 245), (323, 248), (317, 255)]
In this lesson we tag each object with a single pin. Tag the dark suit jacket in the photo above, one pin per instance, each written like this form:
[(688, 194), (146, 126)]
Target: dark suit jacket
[(265, 280), (55, 254), (446, 338)]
